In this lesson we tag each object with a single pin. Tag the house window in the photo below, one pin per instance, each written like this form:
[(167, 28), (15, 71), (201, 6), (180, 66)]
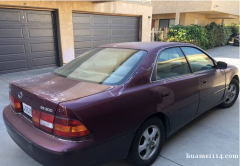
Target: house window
[(165, 23)]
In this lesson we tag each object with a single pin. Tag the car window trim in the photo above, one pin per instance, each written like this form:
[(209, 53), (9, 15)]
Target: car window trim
[(177, 77), (155, 66), (203, 71), (213, 60)]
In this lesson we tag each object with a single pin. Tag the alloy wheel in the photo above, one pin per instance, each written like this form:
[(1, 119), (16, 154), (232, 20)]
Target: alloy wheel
[(149, 142), (231, 93)]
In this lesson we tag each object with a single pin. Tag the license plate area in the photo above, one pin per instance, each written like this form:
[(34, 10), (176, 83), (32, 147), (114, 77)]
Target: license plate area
[(27, 109)]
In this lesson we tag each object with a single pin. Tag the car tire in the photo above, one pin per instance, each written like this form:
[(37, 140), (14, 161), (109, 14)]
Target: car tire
[(144, 152), (228, 102)]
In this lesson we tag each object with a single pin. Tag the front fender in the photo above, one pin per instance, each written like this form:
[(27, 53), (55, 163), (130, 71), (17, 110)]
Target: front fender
[(231, 72)]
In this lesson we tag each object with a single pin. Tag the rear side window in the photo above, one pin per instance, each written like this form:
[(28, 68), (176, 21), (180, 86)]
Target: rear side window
[(197, 59), (171, 63)]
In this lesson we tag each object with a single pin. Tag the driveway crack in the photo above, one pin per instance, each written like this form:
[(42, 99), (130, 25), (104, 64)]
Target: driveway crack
[(171, 160), (3, 80)]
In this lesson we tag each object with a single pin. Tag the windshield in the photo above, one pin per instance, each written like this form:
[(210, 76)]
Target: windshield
[(110, 66)]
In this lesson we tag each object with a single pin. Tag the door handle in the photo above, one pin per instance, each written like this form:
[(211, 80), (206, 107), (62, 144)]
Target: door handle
[(166, 94), (204, 81)]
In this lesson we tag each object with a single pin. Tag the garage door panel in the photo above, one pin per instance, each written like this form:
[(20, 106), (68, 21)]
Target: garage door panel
[(100, 32), (83, 44), (8, 66), (118, 40), (37, 17), (101, 20), (131, 32), (117, 21), (12, 49), (26, 41), (40, 33), (82, 32), (11, 33), (10, 16), (101, 42), (132, 22), (42, 47), (123, 40), (118, 32), (91, 30), (25, 37), (81, 19), (91, 38), (44, 61)]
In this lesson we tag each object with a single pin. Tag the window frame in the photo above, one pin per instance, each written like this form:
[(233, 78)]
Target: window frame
[(153, 77), (205, 53)]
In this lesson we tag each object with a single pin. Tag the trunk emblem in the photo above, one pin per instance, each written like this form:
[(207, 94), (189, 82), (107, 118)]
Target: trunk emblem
[(46, 109), (20, 95)]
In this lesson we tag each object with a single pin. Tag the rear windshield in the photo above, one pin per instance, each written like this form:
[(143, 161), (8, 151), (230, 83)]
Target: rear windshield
[(110, 66)]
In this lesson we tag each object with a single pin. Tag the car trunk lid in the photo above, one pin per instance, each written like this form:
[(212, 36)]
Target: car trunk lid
[(46, 91)]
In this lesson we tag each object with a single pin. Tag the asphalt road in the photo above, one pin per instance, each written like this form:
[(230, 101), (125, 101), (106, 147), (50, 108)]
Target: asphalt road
[(215, 132)]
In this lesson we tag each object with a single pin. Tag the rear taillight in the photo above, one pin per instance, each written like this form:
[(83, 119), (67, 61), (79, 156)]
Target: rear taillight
[(69, 128), (36, 117), (46, 122), (62, 127), (42, 120), (15, 103)]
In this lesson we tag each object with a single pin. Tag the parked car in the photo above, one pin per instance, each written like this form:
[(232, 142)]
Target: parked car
[(236, 40), (118, 101)]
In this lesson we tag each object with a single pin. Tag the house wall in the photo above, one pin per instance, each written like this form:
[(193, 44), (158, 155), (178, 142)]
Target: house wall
[(190, 10), (165, 7), (190, 18), (66, 8), (230, 7)]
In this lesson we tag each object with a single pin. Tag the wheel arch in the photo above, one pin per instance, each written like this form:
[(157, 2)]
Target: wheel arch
[(236, 77), (162, 116)]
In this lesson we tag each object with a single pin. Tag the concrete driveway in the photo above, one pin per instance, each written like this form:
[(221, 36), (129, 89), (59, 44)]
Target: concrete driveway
[(215, 132)]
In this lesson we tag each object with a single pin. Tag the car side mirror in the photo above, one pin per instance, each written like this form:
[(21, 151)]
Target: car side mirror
[(221, 65)]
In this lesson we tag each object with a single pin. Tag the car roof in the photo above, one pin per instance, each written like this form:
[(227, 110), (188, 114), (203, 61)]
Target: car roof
[(148, 46)]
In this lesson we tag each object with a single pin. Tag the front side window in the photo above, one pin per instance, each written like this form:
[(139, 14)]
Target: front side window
[(110, 66), (197, 59), (171, 63)]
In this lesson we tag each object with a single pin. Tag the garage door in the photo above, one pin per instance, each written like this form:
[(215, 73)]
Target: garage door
[(91, 30), (26, 40)]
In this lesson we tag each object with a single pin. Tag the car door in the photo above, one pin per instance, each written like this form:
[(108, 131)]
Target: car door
[(211, 80), (175, 87)]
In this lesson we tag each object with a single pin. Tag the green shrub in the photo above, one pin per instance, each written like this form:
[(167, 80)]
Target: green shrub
[(194, 34), (218, 35), (210, 36), (234, 29)]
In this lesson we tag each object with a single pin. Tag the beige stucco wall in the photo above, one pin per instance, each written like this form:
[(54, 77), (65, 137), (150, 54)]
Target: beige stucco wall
[(231, 21), (164, 16), (231, 7), (65, 9), (190, 10), (164, 7), (190, 18)]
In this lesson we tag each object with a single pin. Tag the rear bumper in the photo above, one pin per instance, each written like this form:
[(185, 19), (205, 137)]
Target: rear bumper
[(49, 150)]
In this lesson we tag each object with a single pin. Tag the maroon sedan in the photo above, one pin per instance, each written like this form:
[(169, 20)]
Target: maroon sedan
[(117, 101)]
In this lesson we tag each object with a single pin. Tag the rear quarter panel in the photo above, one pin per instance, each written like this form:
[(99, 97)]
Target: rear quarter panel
[(114, 113)]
